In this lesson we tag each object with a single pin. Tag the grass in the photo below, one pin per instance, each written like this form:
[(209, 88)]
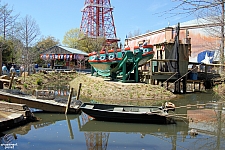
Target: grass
[(95, 88), (136, 94)]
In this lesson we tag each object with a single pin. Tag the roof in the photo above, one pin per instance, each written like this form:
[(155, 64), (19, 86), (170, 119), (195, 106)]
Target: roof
[(73, 50), (63, 49)]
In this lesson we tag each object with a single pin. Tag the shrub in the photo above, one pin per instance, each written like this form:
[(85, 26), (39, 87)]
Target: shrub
[(39, 82), (25, 85)]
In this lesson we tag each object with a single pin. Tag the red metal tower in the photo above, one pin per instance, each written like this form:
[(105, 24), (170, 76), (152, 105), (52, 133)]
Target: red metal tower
[(97, 19)]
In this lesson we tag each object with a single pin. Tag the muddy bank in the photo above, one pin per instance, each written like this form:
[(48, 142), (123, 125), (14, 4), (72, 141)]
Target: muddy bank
[(104, 90), (100, 89)]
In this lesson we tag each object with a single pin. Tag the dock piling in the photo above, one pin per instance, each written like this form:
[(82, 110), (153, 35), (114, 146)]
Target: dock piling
[(78, 92), (11, 80), (69, 100)]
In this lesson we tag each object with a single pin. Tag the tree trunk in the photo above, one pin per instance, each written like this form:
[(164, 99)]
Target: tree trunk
[(0, 61), (222, 38)]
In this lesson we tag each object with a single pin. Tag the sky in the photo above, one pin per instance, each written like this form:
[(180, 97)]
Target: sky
[(56, 17)]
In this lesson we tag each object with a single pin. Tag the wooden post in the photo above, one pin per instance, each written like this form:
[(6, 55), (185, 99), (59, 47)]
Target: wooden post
[(69, 100), (70, 127), (184, 84), (78, 92), (11, 80)]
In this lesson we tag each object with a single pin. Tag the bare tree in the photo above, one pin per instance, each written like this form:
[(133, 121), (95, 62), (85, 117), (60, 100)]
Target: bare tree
[(6, 25), (211, 11), (135, 33), (28, 33), (7, 20)]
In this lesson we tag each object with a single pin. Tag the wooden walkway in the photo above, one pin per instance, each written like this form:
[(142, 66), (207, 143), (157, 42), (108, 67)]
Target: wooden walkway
[(45, 105)]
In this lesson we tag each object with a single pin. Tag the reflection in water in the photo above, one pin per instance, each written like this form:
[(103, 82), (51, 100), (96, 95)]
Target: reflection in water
[(8, 138), (57, 131), (98, 131), (94, 140), (69, 126)]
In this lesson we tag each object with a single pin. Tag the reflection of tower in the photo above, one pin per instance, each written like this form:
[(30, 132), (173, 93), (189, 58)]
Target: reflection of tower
[(97, 19), (94, 140)]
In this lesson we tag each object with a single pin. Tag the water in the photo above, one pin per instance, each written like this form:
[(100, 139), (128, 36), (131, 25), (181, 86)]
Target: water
[(60, 132)]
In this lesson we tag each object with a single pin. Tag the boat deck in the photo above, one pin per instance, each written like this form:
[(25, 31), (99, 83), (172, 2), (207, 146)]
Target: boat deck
[(126, 109)]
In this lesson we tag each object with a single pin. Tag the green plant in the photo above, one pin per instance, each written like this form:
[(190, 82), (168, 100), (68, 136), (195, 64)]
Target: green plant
[(25, 85), (39, 81), (131, 95)]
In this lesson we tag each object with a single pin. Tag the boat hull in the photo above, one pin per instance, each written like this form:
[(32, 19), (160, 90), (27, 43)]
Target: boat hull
[(132, 114), (105, 63), (103, 68), (145, 58)]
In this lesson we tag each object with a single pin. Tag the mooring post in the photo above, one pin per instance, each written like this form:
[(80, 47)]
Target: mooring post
[(11, 80), (69, 100), (78, 92), (70, 127)]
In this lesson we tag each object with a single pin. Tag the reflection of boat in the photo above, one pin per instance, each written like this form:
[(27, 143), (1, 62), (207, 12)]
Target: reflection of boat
[(97, 132), (119, 113), (46, 119), (101, 126), (118, 62)]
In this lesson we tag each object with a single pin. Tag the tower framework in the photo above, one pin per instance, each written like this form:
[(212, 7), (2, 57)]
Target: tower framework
[(97, 19)]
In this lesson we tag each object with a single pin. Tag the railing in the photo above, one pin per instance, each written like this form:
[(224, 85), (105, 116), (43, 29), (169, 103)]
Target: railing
[(209, 68), (160, 65)]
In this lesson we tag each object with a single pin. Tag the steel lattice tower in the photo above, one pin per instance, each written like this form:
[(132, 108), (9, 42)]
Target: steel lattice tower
[(97, 19)]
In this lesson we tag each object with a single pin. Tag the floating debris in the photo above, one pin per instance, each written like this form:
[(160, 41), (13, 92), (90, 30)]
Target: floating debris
[(193, 132)]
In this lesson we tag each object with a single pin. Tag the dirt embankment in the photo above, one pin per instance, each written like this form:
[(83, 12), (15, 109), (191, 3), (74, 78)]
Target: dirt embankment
[(42, 80), (101, 90), (111, 92)]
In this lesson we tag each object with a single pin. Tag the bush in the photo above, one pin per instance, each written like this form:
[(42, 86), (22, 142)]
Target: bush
[(39, 82), (25, 85)]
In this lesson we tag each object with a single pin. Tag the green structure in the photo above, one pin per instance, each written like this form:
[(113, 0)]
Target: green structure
[(122, 65)]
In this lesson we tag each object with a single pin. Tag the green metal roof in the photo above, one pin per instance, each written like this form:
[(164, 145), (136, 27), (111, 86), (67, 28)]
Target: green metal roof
[(56, 50), (73, 50)]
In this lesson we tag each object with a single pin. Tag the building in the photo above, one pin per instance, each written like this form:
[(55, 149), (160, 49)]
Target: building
[(194, 32), (61, 57)]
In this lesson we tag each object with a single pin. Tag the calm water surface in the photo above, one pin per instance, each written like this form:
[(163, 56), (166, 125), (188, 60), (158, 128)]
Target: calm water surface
[(60, 132)]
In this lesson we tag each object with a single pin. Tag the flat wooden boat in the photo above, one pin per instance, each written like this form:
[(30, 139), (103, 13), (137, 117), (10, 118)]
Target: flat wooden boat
[(134, 114)]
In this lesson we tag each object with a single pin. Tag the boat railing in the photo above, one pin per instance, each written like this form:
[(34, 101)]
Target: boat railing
[(118, 54)]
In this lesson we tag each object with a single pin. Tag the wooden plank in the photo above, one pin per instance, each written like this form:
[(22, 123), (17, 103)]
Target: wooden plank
[(118, 109), (46, 105), (144, 110), (89, 106), (5, 80)]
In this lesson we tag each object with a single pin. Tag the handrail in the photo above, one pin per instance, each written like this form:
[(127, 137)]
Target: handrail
[(163, 60), (180, 77), (169, 78), (185, 74)]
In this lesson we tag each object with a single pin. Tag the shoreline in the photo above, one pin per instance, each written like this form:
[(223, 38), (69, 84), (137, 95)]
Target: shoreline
[(108, 91)]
